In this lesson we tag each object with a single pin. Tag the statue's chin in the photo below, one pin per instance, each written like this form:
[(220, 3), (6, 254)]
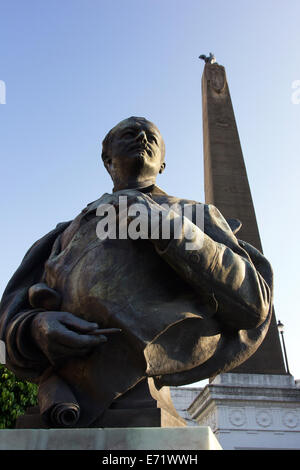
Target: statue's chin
[(140, 161), (139, 173), (142, 170)]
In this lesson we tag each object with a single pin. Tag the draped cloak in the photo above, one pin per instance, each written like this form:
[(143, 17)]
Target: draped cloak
[(184, 315)]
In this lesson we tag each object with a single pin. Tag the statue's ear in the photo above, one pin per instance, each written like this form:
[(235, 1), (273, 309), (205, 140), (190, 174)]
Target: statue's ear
[(162, 167), (107, 164)]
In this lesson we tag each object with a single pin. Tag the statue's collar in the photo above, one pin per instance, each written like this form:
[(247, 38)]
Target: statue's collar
[(152, 188), (145, 187)]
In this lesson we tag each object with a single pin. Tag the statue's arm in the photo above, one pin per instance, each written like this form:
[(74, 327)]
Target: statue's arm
[(23, 356), (36, 332), (223, 271)]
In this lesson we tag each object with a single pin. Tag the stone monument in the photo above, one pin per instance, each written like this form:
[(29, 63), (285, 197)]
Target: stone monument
[(227, 187), (257, 404)]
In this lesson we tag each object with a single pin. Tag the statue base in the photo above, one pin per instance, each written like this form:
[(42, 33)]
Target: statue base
[(112, 418), (136, 408), (132, 439)]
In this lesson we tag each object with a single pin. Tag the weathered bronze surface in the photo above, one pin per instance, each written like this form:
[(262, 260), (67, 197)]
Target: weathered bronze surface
[(90, 319)]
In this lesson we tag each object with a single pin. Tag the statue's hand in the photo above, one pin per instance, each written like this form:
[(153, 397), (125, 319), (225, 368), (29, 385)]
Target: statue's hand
[(127, 205), (62, 335), (144, 206), (139, 216), (155, 222)]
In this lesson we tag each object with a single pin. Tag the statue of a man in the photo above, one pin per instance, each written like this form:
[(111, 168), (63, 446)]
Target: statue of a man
[(96, 316)]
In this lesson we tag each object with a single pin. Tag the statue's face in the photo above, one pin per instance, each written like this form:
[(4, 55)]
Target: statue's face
[(135, 152)]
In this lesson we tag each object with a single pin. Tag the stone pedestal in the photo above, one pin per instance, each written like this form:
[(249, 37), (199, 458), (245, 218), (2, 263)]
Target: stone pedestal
[(196, 438), (136, 408), (251, 411)]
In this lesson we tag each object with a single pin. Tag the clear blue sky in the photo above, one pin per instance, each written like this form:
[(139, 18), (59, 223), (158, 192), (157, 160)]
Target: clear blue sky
[(74, 68)]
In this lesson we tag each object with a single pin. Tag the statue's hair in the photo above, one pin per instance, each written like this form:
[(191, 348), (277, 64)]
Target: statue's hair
[(110, 135)]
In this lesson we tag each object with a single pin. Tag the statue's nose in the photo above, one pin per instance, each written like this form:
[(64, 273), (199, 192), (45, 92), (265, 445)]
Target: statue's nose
[(142, 136)]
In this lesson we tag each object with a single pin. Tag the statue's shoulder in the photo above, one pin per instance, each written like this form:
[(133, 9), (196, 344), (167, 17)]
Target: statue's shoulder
[(259, 260), (173, 200)]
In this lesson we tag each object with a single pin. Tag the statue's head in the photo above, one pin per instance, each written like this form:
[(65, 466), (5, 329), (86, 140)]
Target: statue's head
[(133, 153)]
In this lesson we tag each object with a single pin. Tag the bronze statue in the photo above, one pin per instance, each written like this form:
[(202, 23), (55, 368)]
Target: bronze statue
[(89, 319)]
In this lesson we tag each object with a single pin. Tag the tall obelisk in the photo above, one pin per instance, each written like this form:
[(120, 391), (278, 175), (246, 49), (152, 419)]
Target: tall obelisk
[(227, 187)]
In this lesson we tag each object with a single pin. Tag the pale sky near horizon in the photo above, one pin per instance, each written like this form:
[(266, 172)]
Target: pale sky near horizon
[(75, 68)]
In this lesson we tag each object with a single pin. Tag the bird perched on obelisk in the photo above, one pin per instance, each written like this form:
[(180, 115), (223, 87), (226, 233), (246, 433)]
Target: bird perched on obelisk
[(208, 59)]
